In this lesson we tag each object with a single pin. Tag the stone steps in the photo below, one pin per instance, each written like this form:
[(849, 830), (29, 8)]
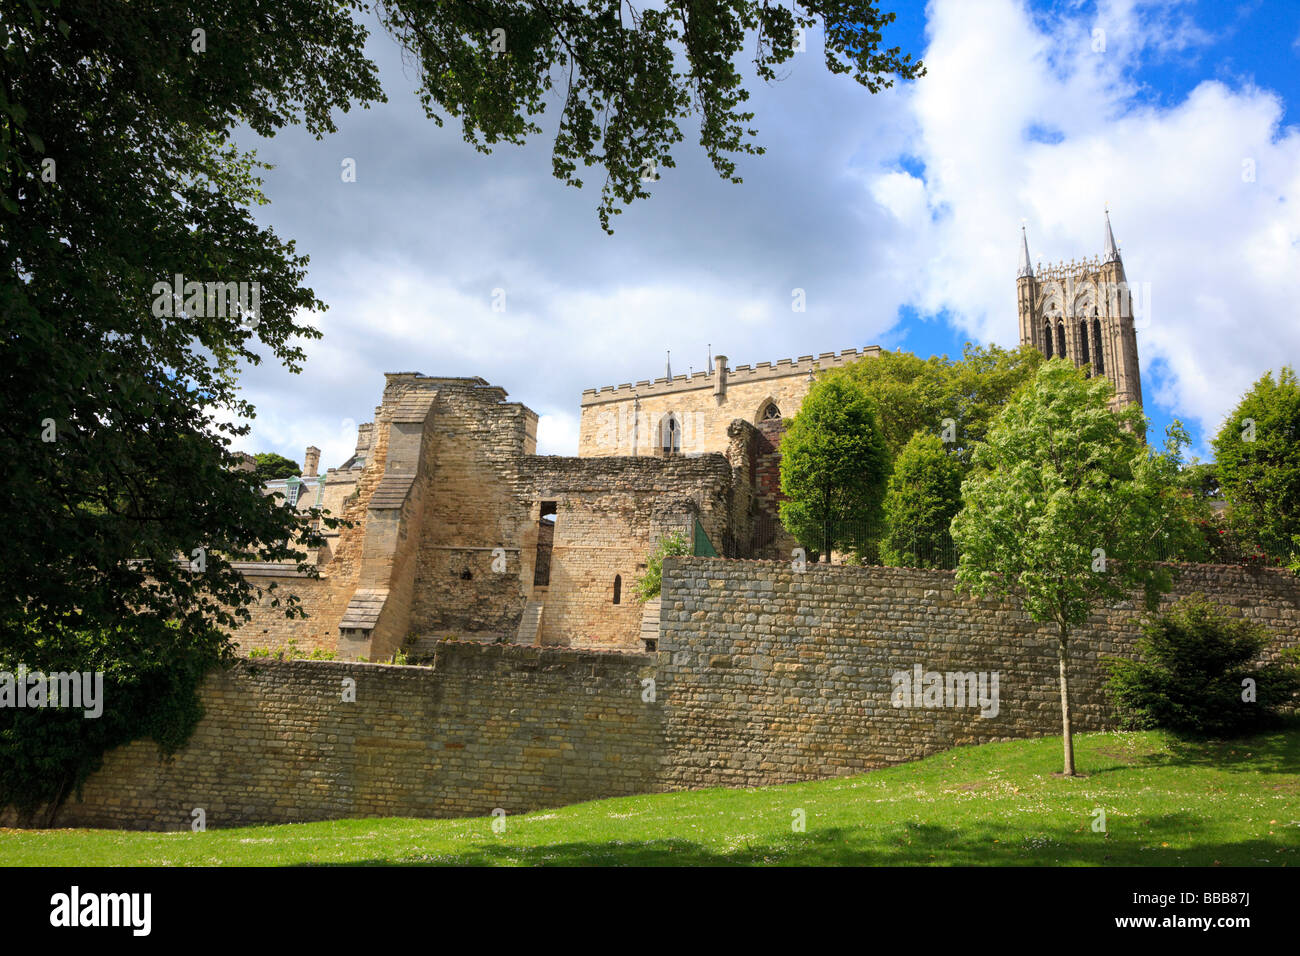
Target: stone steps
[(650, 622), (530, 624)]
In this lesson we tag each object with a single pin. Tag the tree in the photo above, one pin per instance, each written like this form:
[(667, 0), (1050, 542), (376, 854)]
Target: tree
[(1197, 673), (630, 77), (1257, 457), (135, 283), (834, 465), (117, 176), (271, 466), (924, 495), (918, 395), (1065, 508)]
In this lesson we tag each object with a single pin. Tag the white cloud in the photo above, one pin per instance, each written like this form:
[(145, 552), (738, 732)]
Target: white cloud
[(1221, 252), (1019, 116)]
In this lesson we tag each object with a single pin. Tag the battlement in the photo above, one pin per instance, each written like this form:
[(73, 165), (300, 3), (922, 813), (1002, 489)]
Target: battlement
[(739, 375), (1061, 271)]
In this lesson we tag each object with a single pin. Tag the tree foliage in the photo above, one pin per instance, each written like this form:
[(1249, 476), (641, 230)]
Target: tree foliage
[(116, 174), (150, 685), (917, 395), (1197, 672), (271, 466), (630, 76), (924, 495), (1066, 509), (649, 585), (1257, 461), (834, 465)]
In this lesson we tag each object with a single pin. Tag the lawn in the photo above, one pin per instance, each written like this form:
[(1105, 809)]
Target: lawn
[(1166, 802)]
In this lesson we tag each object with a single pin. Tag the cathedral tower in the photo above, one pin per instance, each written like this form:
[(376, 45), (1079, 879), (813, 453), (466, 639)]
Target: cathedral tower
[(1082, 311)]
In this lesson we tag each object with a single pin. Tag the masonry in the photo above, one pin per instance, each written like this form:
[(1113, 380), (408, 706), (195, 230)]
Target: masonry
[(771, 675), (763, 675)]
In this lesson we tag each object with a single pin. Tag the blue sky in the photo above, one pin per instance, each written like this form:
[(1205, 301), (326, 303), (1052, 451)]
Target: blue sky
[(1246, 44), (898, 214)]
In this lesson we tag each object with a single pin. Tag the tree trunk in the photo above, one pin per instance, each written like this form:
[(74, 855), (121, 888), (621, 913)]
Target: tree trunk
[(1067, 740)]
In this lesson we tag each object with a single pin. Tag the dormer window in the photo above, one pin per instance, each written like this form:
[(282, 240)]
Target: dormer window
[(291, 488)]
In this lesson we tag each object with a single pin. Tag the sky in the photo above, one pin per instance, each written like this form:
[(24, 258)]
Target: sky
[(898, 214)]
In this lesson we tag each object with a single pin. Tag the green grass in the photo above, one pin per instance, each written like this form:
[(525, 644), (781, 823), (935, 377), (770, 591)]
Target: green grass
[(1167, 803)]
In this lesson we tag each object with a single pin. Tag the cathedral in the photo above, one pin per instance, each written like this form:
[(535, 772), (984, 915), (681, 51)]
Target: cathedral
[(1082, 311)]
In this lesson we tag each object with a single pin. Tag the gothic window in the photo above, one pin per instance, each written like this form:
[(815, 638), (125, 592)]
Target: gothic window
[(1060, 339), (1047, 335), (1096, 346), (1083, 343), (670, 436), (770, 412), (618, 589)]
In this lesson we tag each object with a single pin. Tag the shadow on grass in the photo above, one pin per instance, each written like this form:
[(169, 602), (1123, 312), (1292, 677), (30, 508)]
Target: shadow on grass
[(1134, 842), (1275, 751)]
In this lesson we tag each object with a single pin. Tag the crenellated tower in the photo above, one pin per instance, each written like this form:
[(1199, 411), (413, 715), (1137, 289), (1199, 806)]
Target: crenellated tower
[(1082, 310)]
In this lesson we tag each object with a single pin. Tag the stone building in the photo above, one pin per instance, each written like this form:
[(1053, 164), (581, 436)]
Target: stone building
[(457, 528), (691, 414), (1083, 311)]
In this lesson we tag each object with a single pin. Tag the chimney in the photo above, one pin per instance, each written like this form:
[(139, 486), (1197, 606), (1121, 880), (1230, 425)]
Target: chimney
[(720, 376), (311, 462)]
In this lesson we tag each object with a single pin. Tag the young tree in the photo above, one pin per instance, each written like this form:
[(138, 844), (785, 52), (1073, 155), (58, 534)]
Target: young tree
[(1257, 457), (271, 466), (834, 465), (923, 497), (1066, 509)]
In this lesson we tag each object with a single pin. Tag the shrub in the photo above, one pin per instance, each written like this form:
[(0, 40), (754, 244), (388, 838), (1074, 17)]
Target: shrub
[(1192, 672), (648, 586)]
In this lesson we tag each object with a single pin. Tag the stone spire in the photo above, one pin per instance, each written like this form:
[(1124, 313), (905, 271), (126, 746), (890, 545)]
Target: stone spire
[(1111, 253), (1026, 270), (669, 371)]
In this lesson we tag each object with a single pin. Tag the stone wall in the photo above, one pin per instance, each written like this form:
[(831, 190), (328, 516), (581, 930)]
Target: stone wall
[(488, 726), (610, 512), (625, 420), (768, 675), (763, 676)]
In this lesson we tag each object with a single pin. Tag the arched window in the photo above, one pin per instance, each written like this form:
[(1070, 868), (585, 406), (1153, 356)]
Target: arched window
[(1083, 343), (770, 412), (1096, 347), (618, 589), (1060, 339), (1047, 336), (670, 435)]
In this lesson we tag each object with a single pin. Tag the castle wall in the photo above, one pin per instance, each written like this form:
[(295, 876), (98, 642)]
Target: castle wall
[(614, 421), (762, 676), (269, 629), (472, 509), (769, 675), (488, 726), (610, 513)]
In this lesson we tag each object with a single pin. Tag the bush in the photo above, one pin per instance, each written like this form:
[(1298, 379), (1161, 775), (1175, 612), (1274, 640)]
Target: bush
[(1190, 677), (648, 586)]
